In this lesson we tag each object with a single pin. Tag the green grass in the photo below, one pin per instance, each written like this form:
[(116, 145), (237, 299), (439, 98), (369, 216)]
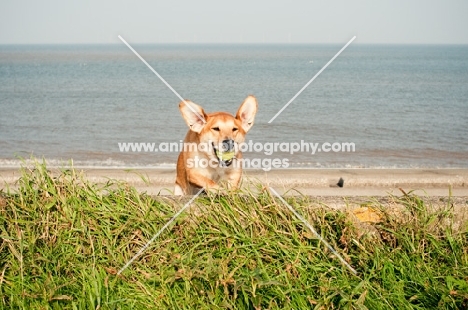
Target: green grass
[(63, 239)]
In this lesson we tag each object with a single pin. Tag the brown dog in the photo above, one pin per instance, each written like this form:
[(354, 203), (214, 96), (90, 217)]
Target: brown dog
[(210, 153)]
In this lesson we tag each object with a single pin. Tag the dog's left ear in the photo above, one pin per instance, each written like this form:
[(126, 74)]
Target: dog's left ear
[(193, 115), (247, 111)]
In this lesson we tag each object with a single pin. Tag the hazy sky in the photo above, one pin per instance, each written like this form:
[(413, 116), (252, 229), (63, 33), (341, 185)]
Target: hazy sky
[(248, 21)]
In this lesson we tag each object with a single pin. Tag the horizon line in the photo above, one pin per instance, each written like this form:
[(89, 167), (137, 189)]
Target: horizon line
[(227, 43)]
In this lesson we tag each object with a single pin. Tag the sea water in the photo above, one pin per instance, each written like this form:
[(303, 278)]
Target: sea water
[(398, 105)]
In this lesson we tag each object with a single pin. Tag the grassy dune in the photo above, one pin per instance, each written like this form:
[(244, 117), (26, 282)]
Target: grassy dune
[(62, 241)]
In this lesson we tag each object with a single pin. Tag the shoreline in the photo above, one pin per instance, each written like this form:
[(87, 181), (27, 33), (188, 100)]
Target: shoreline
[(313, 182)]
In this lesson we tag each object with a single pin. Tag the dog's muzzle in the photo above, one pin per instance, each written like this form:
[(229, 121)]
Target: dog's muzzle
[(225, 152)]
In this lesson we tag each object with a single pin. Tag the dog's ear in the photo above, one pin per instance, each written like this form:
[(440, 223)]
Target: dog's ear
[(247, 111), (193, 115)]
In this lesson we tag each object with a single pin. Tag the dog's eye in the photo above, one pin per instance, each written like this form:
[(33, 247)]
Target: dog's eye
[(235, 129), (215, 128)]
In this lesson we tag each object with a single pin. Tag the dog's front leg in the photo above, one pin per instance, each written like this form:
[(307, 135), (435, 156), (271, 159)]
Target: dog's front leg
[(233, 179), (201, 181)]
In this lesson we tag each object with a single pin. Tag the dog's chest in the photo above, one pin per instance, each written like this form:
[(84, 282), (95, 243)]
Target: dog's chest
[(220, 174)]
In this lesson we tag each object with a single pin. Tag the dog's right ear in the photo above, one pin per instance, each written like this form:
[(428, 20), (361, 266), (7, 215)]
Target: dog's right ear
[(193, 115)]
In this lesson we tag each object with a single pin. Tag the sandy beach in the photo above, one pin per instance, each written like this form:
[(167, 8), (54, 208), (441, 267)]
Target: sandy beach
[(313, 182)]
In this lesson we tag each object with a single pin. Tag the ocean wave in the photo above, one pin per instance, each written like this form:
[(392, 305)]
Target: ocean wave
[(83, 164), (111, 163)]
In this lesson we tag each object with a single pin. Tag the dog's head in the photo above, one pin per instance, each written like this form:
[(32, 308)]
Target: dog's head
[(220, 133)]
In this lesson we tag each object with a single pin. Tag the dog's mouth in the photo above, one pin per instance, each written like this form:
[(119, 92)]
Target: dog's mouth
[(224, 158)]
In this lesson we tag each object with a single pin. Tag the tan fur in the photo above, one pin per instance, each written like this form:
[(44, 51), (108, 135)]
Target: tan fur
[(190, 179)]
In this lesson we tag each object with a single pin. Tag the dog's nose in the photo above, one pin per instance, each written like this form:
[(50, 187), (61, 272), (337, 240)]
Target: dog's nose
[(228, 145)]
